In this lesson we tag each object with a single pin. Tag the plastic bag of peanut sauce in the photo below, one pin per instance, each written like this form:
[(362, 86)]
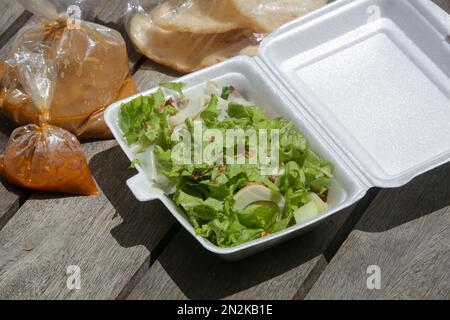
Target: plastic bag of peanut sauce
[(57, 80)]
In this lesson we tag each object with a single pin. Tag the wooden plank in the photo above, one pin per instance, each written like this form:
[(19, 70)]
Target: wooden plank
[(444, 4), (406, 232), (109, 237), (11, 11), (185, 270), (10, 197), (10, 200)]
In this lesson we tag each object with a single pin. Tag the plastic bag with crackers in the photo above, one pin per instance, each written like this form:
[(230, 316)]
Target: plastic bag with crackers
[(59, 76), (188, 35)]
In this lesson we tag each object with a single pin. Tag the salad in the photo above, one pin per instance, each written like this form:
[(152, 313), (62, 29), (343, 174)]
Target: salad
[(228, 202)]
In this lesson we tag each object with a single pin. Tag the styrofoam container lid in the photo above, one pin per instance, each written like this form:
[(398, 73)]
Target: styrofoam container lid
[(374, 74)]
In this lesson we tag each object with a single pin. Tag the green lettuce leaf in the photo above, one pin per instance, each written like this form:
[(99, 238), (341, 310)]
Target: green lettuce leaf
[(177, 87), (226, 92), (210, 114), (259, 215), (206, 192)]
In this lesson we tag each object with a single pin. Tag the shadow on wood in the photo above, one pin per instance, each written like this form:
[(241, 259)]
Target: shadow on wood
[(6, 128), (202, 275), (111, 171), (426, 194), (405, 232)]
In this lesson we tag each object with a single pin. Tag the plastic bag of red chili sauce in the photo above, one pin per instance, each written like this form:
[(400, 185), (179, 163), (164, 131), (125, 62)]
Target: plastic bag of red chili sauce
[(57, 80)]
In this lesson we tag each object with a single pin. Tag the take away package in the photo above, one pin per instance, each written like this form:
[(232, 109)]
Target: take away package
[(188, 35), (59, 76)]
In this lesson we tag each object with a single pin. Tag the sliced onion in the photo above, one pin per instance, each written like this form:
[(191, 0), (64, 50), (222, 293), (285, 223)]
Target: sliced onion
[(212, 88), (191, 111)]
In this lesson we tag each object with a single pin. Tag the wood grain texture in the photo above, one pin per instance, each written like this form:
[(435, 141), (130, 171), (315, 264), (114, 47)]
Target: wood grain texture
[(406, 232), (10, 196), (444, 4), (185, 270), (10, 11), (110, 236)]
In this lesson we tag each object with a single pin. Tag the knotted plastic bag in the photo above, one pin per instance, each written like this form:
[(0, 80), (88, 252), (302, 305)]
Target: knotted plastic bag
[(65, 72), (188, 35), (47, 158), (59, 76)]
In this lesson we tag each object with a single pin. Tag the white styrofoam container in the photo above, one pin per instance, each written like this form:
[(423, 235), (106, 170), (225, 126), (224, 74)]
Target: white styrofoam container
[(366, 81)]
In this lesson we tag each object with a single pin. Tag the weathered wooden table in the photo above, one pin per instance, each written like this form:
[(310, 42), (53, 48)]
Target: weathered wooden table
[(129, 250)]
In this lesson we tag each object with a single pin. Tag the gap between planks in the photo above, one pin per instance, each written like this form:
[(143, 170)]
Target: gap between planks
[(14, 28), (156, 252)]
